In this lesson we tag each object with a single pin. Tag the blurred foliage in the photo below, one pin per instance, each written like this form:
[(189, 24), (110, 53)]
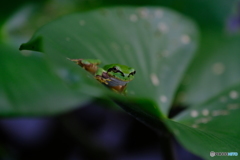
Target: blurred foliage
[(8, 7), (21, 22)]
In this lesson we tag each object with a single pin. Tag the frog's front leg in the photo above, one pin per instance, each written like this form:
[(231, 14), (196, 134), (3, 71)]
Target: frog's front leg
[(106, 81), (102, 79), (102, 76)]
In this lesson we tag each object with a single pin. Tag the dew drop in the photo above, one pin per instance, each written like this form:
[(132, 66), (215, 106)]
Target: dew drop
[(220, 113), (143, 12), (163, 98), (82, 22), (194, 113), (162, 27), (154, 79), (133, 17), (195, 126), (233, 106), (159, 13), (233, 94), (218, 68), (185, 39), (204, 120), (205, 112)]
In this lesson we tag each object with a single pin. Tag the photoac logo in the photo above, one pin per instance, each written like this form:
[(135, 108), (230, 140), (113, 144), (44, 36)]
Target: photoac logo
[(212, 153)]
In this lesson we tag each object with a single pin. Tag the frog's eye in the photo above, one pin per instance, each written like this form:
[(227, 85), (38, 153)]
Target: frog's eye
[(114, 69), (132, 73)]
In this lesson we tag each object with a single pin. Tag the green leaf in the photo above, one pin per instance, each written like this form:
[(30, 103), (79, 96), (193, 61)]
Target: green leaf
[(211, 126), (28, 86), (215, 68), (157, 42), (204, 12)]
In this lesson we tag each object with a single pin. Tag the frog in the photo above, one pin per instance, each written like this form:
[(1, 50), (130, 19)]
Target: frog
[(114, 76)]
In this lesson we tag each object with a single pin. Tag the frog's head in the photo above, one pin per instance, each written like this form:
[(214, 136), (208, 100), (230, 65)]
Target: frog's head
[(120, 72)]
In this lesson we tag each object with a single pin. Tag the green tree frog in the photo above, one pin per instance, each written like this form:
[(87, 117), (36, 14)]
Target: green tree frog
[(114, 76)]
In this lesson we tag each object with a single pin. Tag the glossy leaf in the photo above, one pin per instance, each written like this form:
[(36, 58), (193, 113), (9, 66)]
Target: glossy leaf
[(157, 42), (211, 126)]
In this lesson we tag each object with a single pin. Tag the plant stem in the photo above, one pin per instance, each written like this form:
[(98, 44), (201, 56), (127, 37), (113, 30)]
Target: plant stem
[(167, 147)]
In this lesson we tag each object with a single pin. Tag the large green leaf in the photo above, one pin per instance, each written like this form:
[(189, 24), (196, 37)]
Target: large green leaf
[(215, 68), (29, 87), (211, 126), (157, 42)]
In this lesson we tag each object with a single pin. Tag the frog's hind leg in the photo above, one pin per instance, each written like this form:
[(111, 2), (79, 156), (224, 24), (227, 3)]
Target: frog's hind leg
[(92, 68), (77, 61), (119, 89)]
